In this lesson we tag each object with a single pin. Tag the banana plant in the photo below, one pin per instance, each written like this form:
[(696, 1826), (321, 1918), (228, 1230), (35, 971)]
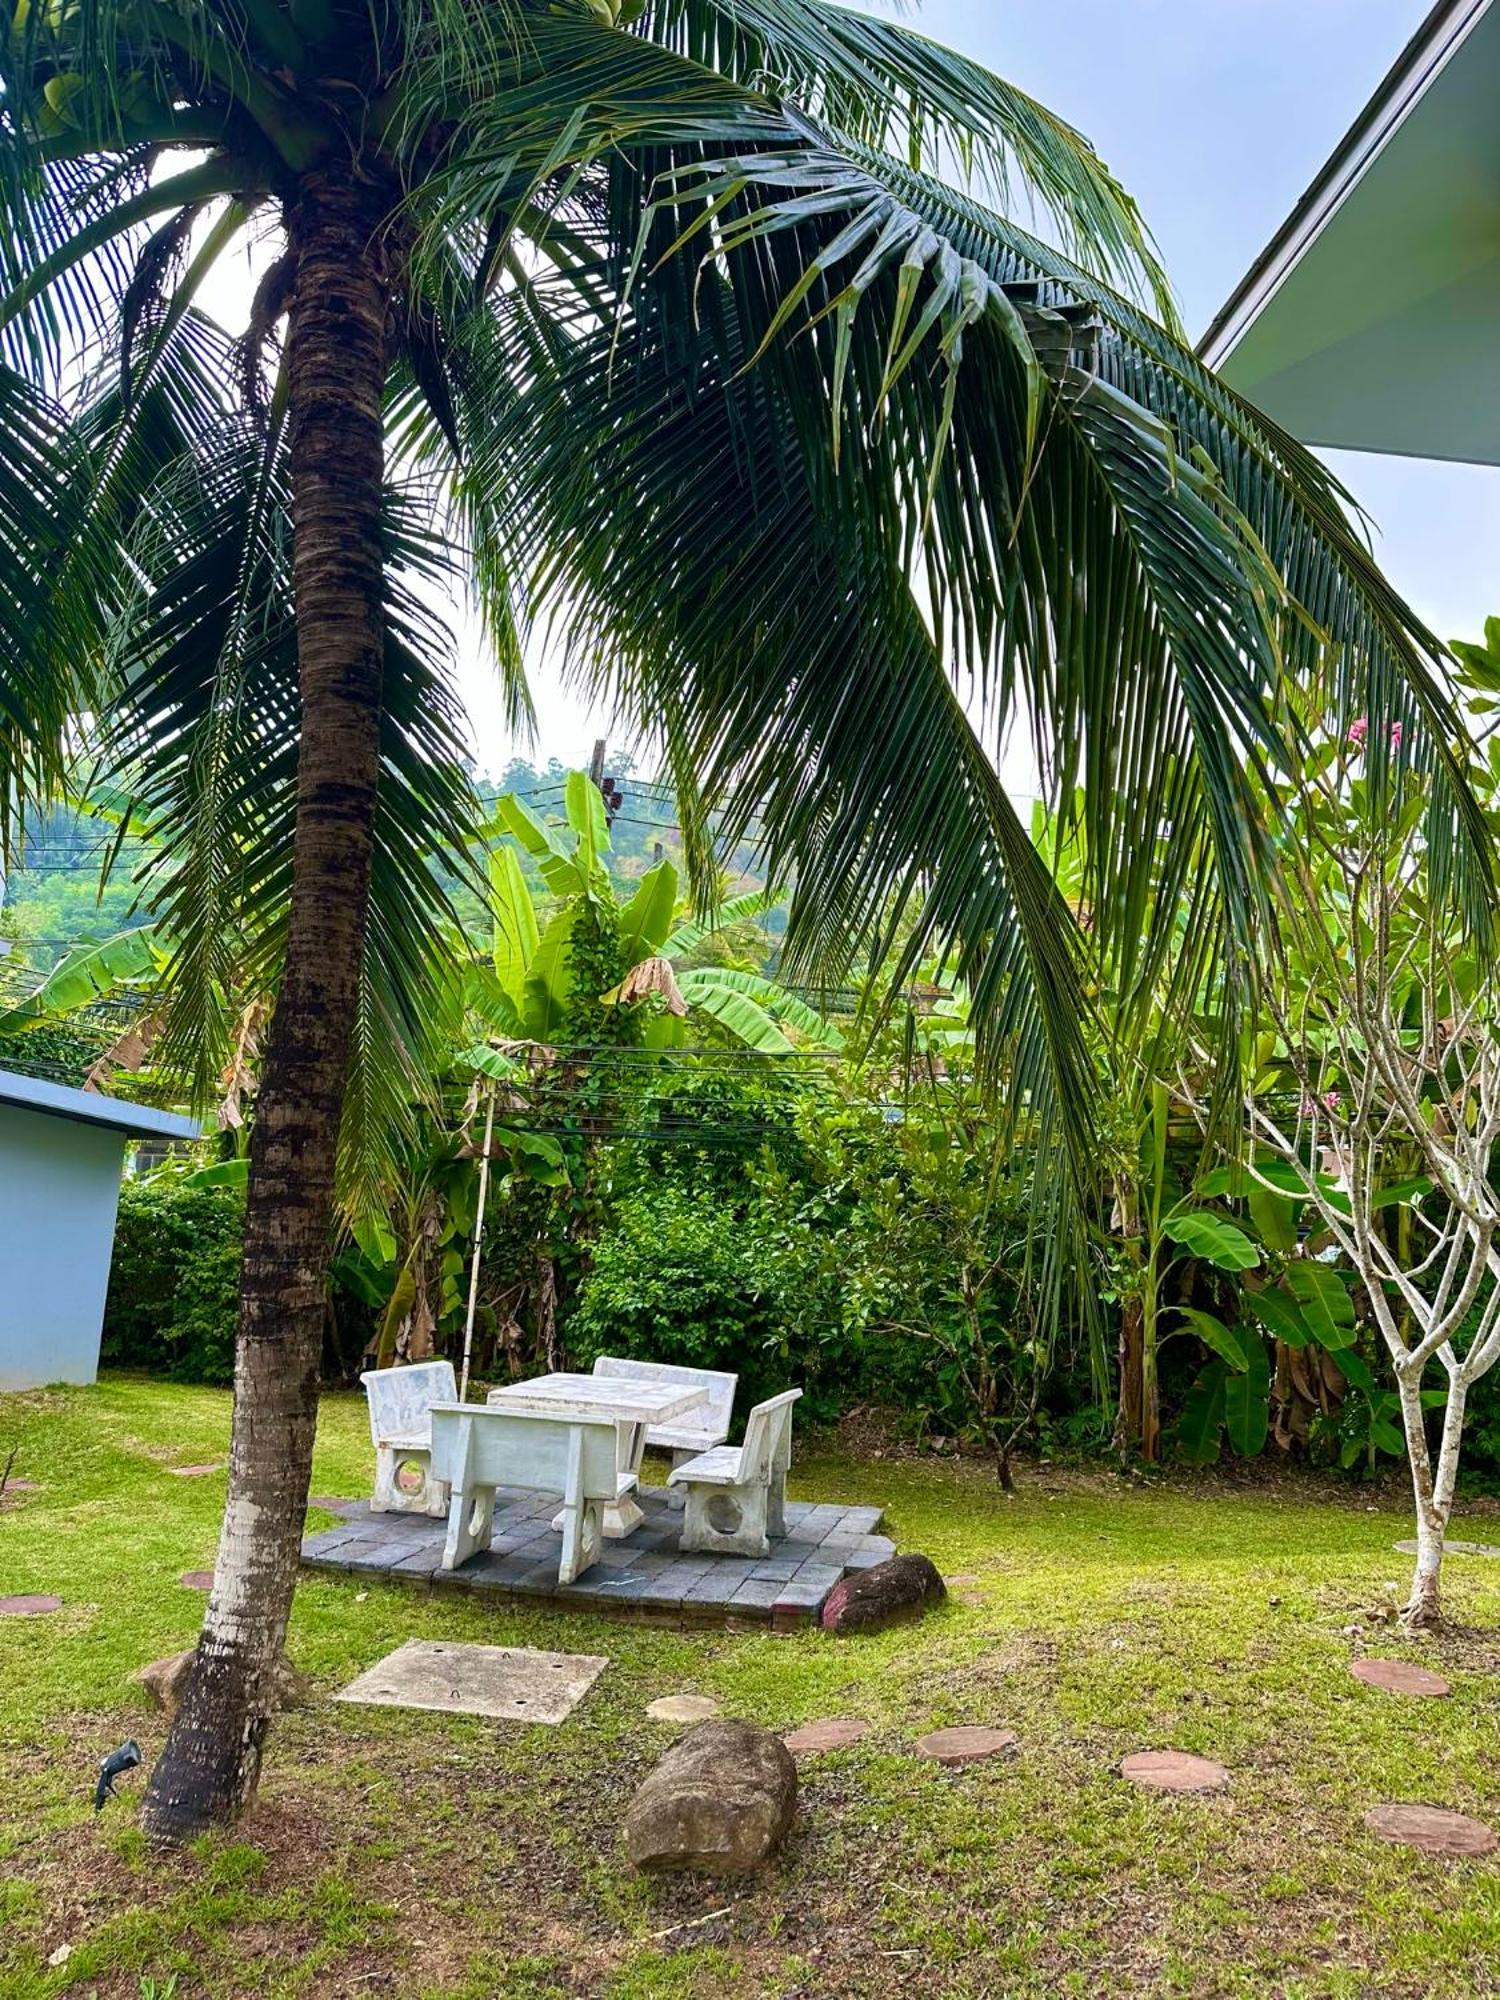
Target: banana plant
[(525, 990), (130, 960), (1155, 1234), (1303, 1304)]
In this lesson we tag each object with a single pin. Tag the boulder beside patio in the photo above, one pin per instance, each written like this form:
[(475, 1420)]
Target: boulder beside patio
[(645, 1573)]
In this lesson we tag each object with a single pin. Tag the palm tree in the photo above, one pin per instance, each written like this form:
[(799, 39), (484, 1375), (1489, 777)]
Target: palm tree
[(665, 302)]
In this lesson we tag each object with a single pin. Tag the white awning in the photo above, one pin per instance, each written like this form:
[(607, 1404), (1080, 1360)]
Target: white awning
[(1372, 321)]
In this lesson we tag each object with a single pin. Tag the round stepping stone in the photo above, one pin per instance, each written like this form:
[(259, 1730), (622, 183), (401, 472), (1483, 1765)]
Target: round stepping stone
[(1398, 1677), (684, 1708), (836, 1732), (28, 1605), (1432, 1830), (195, 1471), (197, 1579), (1173, 1771), (965, 1745)]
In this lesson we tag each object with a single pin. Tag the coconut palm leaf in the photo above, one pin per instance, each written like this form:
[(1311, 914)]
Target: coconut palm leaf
[(1223, 556), (47, 661), (203, 729), (884, 85)]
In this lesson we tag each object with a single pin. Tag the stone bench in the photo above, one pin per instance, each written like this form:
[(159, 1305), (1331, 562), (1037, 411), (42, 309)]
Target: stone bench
[(400, 1402), (707, 1426), (476, 1448), (736, 1494)]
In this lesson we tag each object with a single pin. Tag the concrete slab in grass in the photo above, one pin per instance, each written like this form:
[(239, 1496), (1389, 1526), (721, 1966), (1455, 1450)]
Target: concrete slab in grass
[(501, 1683)]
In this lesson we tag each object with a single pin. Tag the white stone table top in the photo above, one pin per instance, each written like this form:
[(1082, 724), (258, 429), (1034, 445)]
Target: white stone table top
[(620, 1397)]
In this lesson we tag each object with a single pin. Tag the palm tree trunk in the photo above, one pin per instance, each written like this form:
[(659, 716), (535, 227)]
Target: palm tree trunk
[(336, 360)]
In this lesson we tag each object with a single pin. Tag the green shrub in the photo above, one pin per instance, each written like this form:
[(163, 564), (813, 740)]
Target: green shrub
[(703, 1124), (692, 1279), (924, 1237), (174, 1282), (863, 1260), (55, 1050)]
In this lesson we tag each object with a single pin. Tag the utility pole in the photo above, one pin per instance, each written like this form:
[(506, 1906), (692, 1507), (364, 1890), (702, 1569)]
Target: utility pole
[(603, 784)]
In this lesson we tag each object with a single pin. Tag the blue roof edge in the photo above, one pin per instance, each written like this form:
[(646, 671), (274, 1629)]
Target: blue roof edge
[(89, 1107)]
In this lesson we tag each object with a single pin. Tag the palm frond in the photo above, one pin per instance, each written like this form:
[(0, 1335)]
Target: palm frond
[(667, 504), (48, 663), (1130, 553), (883, 85), (204, 731)]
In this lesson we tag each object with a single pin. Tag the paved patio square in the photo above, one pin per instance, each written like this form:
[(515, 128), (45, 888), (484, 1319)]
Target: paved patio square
[(645, 1572)]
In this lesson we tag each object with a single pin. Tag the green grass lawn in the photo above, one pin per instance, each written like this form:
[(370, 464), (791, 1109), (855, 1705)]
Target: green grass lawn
[(437, 1857)]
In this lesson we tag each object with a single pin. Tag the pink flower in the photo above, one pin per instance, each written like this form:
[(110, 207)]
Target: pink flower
[(1359, 730), (1329, 1101)]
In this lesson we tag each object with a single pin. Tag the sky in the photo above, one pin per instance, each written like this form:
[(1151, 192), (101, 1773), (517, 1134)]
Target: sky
[(1216, 114)]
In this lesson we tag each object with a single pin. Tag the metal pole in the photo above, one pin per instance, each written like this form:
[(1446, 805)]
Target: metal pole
[(484, 1185)]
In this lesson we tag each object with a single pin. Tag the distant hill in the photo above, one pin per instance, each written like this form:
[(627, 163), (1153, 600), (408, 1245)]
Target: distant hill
[(53, 900)]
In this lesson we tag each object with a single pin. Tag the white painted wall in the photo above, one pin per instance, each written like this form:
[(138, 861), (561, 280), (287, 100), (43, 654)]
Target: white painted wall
[(59, 1188)]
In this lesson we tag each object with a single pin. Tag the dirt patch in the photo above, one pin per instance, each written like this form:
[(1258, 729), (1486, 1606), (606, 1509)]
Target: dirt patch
[(1023, 1654)]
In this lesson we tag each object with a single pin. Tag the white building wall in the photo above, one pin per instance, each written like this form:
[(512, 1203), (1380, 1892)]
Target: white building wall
[(59, 1188)]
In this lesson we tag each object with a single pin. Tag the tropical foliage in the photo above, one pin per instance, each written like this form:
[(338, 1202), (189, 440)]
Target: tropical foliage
[(960, 386), (665, 313)]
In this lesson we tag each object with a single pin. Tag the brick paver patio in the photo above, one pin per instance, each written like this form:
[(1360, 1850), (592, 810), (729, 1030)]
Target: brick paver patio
[(646, 1574)]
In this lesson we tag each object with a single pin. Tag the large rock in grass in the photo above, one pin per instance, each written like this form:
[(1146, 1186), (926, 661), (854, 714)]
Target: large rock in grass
[(720, 1802), (891, 1592), (166, 1679)]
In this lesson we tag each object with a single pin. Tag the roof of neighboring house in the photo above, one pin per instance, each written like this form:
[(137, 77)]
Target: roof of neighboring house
[(1370, 320), (88, 1107)]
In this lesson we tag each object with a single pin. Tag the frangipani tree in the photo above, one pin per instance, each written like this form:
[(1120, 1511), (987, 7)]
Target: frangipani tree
[(667, 312), (1373, 1099)]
